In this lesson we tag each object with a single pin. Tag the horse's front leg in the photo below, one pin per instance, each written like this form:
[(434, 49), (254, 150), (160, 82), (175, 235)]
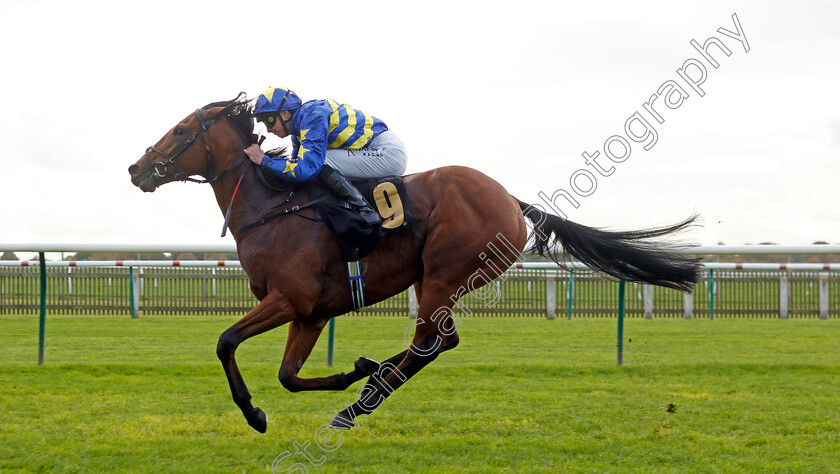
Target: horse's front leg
[(273, 311), (302, 338)]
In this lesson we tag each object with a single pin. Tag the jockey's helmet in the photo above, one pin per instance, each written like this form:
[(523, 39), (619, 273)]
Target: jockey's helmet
[(276, 99)]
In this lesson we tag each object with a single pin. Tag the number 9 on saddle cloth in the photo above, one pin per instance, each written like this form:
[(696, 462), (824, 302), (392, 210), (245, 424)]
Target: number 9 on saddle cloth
[(356, 238)]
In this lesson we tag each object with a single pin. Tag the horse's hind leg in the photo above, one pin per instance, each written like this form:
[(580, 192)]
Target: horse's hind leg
[(273, 311), (435, 333), (302, 338)]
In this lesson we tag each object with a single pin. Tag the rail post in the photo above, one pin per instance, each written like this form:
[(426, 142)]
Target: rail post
[(412, 303), (621, 285), (133, 294), (711, 293), (647, 300), (784, 297), (688, 304), (550, 296), (42, 322), (571, 294), (331, 343), (824, 296)]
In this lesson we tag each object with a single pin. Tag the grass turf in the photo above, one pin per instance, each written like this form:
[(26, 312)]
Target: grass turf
[(518, 395)]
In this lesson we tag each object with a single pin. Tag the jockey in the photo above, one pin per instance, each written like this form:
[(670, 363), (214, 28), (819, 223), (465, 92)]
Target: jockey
[(331, 141)]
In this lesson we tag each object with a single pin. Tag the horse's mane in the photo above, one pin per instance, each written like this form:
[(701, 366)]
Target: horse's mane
[(283, 150), (238, 112)]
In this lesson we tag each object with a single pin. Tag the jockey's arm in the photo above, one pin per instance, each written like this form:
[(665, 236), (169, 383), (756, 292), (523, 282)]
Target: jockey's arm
[(292, 170), (308, 153)]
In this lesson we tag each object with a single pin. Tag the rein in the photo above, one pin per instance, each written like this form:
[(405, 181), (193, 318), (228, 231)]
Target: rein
[(233, 196), (160, 169), (284, 212)]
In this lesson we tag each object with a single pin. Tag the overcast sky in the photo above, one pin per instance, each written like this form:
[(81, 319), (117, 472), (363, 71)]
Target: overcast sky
[(518, 90)]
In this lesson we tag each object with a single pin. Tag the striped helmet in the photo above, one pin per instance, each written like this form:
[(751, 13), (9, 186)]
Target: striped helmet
[(275, 99)]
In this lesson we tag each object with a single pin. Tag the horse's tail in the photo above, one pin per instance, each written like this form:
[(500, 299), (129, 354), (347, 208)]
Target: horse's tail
[(632, 256)]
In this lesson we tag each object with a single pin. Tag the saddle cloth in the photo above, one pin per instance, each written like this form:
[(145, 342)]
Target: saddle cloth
[(356, 238)]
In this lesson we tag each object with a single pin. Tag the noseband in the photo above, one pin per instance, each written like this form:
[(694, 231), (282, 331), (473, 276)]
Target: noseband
[(161, 168)]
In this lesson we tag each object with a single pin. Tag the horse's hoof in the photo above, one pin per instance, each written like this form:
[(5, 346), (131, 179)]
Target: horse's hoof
[(342, 422), (366, 366), (258, 420)]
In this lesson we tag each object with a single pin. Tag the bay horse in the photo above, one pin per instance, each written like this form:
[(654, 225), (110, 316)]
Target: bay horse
[(296, 271)]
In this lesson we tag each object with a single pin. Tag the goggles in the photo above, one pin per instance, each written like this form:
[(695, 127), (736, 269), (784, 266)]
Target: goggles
[(267, 119)]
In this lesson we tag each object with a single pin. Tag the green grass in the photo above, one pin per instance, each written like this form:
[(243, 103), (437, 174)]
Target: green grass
[(518, 395)]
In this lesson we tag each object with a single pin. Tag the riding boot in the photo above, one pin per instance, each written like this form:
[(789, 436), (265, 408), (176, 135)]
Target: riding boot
[(343, 188)]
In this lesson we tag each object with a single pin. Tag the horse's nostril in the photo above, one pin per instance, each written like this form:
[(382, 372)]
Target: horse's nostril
[(133, 170)]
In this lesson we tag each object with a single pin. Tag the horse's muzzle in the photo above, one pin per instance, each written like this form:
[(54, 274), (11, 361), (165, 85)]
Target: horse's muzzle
[(143, 180)]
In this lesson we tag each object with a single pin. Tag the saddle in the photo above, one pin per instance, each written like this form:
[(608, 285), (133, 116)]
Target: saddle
[(355, 237)]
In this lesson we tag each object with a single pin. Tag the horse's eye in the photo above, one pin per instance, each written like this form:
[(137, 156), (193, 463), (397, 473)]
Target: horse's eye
[(178, 131)]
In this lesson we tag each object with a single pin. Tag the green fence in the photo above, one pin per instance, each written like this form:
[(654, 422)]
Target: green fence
[(519, 293)]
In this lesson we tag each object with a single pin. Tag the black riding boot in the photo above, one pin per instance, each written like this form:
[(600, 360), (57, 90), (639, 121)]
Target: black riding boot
[(344, 189)]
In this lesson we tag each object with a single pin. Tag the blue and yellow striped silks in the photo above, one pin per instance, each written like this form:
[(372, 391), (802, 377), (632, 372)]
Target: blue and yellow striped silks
[(318, 126)]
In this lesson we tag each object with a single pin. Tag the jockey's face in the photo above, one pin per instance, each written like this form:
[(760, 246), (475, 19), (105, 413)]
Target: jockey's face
[(279, 128)]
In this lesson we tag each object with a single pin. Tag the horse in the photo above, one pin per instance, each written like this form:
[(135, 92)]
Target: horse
[(466, 225)]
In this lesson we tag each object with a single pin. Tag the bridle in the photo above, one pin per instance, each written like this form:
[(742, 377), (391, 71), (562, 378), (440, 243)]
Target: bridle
[(161, 168)]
